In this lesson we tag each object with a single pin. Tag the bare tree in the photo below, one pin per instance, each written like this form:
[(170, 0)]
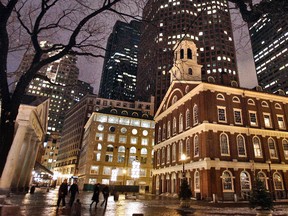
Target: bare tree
[(72, 26)]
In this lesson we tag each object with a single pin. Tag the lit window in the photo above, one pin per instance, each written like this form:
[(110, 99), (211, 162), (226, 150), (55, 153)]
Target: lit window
[(267, 120), (187, 118), (241, 146), (272, 148), (253, 118), (168, 129), (227, 181), (180, 122), (174, 125), (144, 141), (245, 181), (280, 120), (196, 146), (188, 147), (111, 138), (99, 136), (168, 154), (285, 148), (257, 147), (133, 140), (278, 182), (173, 152)]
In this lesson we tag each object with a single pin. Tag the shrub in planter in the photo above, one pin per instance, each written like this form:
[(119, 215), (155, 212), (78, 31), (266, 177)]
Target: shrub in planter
[(260, 198)]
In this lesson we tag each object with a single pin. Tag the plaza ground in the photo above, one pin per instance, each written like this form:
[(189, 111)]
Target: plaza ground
[(44, 203)]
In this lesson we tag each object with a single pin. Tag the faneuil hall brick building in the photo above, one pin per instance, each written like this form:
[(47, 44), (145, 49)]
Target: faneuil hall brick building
[(229, 135)]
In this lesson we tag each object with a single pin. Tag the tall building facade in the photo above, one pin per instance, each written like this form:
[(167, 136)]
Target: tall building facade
[(58, 81), (115, 139), (207, 22), (73, 129), (119, 73), (269, 39), (228, 136)]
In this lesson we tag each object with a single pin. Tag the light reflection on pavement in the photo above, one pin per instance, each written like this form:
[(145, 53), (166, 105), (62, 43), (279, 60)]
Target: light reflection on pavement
[(44, 203)]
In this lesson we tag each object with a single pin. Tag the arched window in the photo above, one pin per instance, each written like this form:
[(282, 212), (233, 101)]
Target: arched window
[(187, 118), (264, 104), (245, 181), (133, 150), (285, 148), (278, 182), (144, 151), (196, 146), (220, 97), (224, 144), (257, 147), (98, 156), (195, 115), (124, 112), (121, 149), (99, 146), (181, 53), (190, 72), (272, 148), (251, 102), (262, 177), (188, 147), (180, 122), (227, 181), (168, 154), (174, 126), (211, 79), (181, 149), (189, 53), (163, 155), (236, 99), (197, 181), (173, 152), (135, 114), (159, 134), (110, 148), (158, 157), (277, 106), (168, 129), (164, 132), (241, 146)]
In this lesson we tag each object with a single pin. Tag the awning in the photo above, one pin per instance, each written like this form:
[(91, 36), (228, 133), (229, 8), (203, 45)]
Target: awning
[(40, 167)]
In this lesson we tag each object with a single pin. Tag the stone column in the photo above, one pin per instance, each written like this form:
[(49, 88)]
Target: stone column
[(21, 160), (26, 162), (31, 164), (13, 157)]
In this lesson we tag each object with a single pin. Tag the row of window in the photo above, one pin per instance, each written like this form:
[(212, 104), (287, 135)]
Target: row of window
[(222, 117), (120, 171), (164, 155), (123, 139)]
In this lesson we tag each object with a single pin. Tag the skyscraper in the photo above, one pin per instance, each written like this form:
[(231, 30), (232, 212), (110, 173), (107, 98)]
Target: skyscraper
[(118, 80), (269, 39), (206, 22)]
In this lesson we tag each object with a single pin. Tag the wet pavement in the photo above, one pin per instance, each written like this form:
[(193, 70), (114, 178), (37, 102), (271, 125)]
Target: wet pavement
[(44, 203)]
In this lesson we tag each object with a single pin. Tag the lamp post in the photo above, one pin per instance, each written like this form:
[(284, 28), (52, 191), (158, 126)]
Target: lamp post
[(183, 159), (270, 180), (124, 175)]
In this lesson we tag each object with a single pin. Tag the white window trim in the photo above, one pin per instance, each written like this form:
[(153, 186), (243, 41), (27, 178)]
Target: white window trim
[(227, 145), (268, 114), (256, 124), (221, 107), (241, 123), (284, 125), (244, 146)]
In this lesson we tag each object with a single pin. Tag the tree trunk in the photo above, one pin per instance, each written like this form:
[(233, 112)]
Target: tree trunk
[(6, 136)]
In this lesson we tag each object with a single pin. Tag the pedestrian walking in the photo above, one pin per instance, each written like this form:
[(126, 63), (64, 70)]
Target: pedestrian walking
[(95, 197), (63, 190), (73, 191), (105, 192)]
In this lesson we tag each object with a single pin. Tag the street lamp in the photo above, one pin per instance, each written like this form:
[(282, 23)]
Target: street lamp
[(183, 159), (124, 171), (270, 179)]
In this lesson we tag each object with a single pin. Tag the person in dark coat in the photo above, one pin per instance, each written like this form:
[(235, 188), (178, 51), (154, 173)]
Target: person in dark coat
[(73, 190), (63, 191), (95, 197), (105, 192)]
